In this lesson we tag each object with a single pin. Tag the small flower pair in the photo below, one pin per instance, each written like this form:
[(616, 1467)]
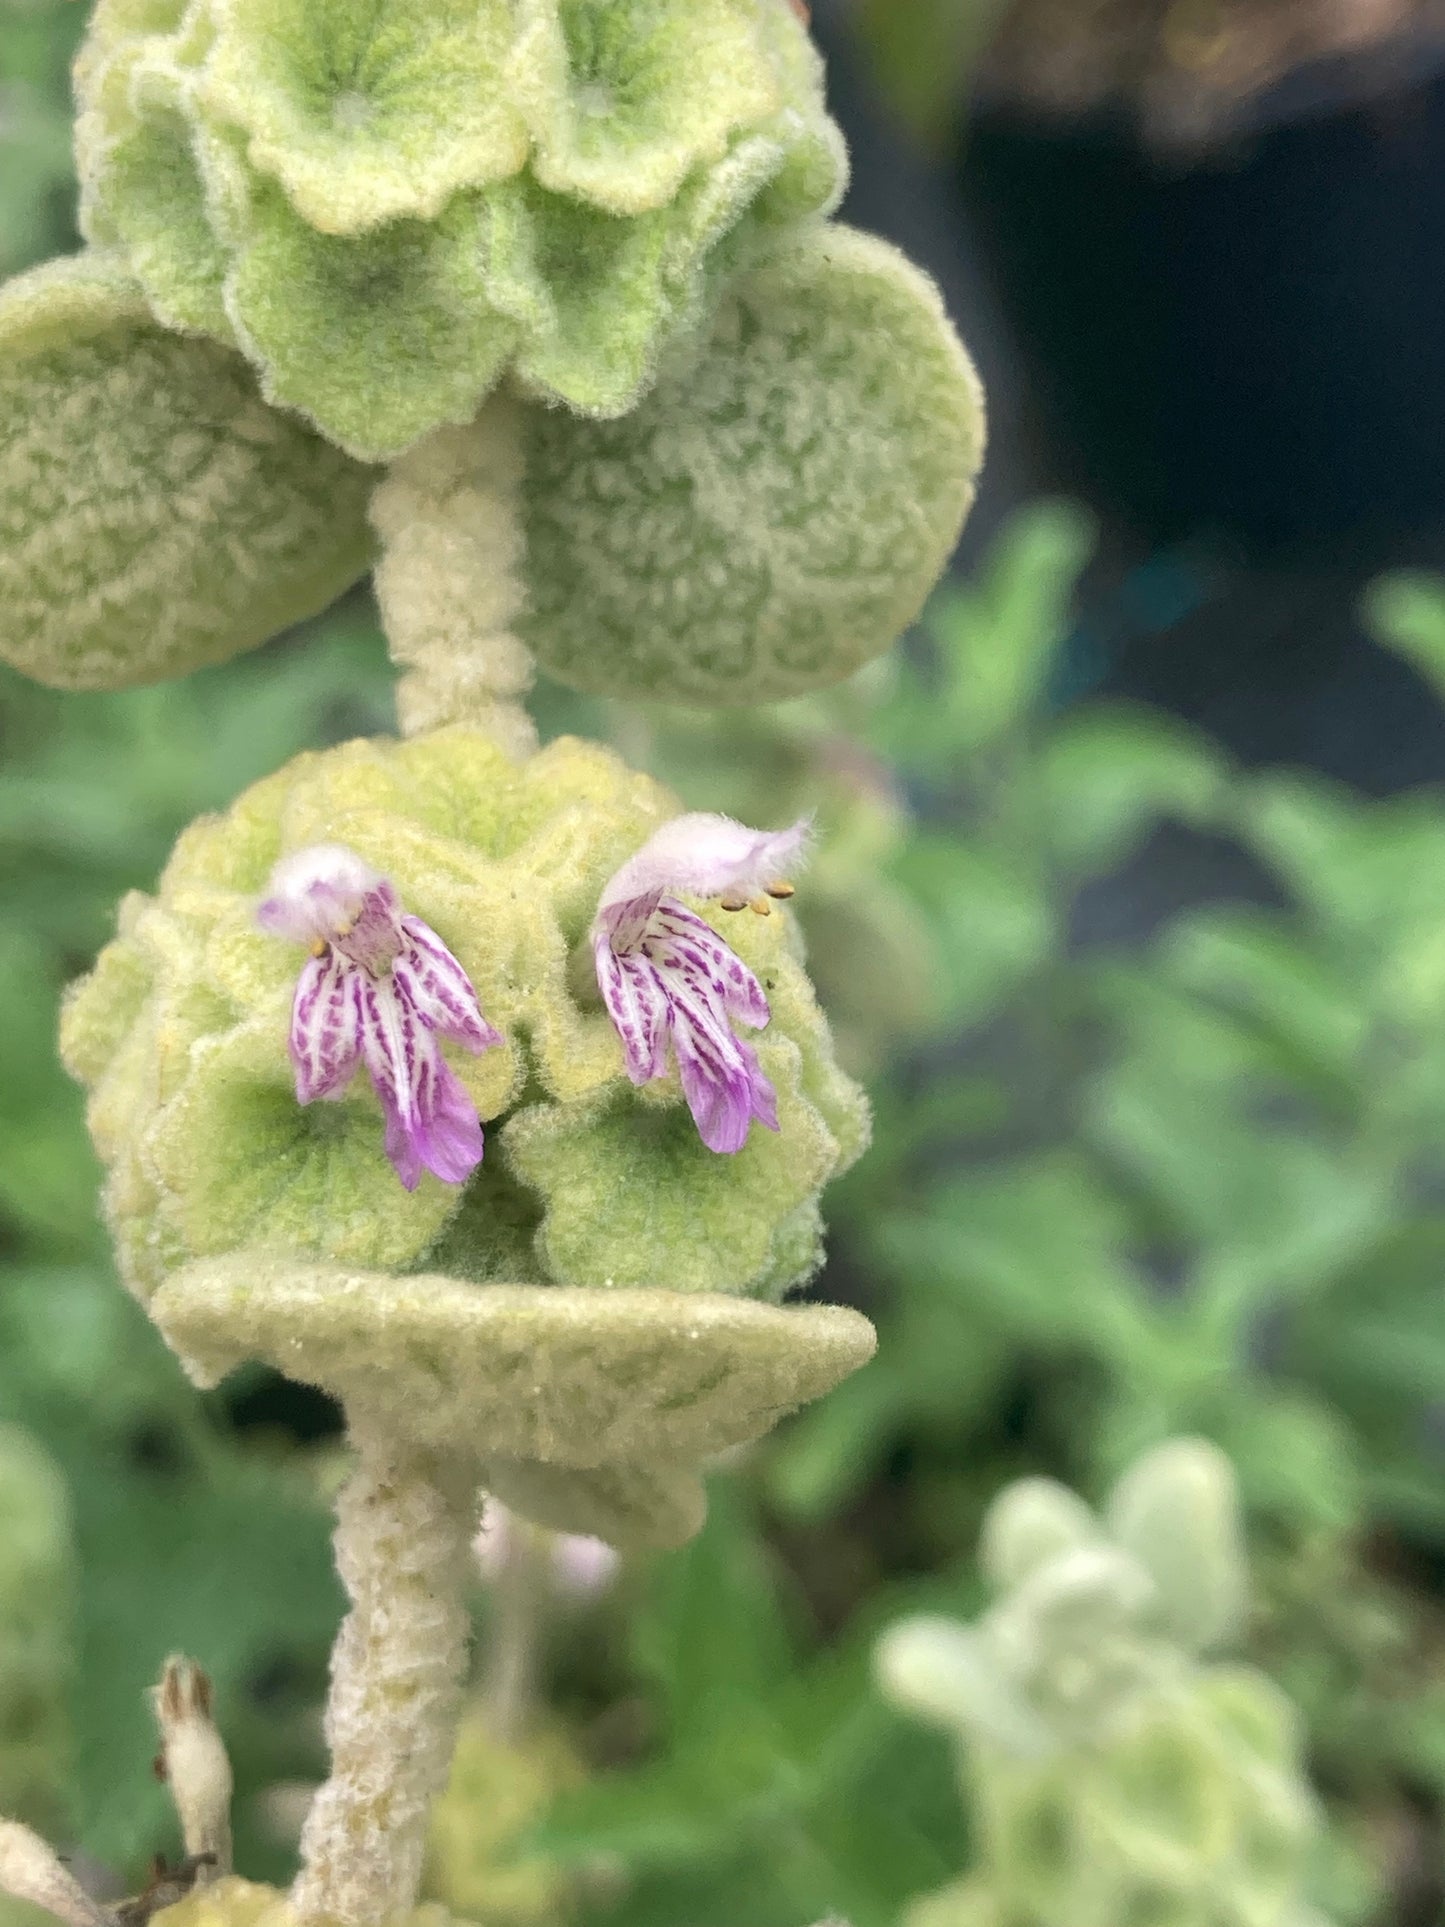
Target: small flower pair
[(381, 988)]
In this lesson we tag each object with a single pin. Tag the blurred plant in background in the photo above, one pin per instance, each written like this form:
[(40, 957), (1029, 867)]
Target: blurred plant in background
[(1118, 1192), (37, 183), (1134, 1176), (1116, 1775), (1190, 69)]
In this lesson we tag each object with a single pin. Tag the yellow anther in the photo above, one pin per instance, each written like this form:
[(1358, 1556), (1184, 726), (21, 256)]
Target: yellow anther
[(760, 907), (320, 947), (782, 891), (732, 903)]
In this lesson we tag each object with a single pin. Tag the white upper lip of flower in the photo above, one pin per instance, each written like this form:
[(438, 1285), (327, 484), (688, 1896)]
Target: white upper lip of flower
[(315, 894), (702, 855)]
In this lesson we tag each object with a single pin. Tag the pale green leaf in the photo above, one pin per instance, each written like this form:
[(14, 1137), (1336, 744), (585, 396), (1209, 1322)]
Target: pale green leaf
[(577, 1379), (154, 513), (776, 510)]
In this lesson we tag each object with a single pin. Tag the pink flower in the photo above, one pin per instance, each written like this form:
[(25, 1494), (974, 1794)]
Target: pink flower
[(381, 988), (670, 983), (581, 1566)]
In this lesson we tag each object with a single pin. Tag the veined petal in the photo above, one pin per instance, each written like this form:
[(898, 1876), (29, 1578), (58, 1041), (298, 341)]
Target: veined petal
[(721, 1078), (374, 937), (686, 942), (448, 1138), (637, 1004), (382, 986), (431, 1123), (439, 990), (701, 855), (325, 1038)]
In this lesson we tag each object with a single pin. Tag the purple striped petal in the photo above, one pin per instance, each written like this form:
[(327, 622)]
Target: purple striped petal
[(672, 986), (677, 936), (383, 987), (446, 1140), (721, 1078), (431, 1122), (325, 1039), (637, 1004), (439, 990), (680, 984)]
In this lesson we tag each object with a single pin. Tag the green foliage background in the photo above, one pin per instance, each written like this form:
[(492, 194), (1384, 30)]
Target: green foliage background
[(1116, 1193)]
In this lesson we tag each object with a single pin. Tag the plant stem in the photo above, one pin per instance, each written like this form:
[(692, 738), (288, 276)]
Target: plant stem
[(450, 582), (403, 1529)]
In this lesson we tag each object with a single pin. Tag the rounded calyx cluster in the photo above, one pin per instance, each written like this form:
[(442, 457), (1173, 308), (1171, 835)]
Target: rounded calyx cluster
[(387, 208), (181, 1033)]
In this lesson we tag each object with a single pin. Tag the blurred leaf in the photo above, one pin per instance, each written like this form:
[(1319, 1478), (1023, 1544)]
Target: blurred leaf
[(1406, 611), (826, 1453), (1109, 775), (758, 1788), (995, 643), (1365, 871), (994, 925), (1297, 1002), (1039, 1243), (1276, 1207)]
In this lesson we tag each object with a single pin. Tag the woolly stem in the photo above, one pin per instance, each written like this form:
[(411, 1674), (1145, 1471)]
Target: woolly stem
[(450, 583), (403, 1530)]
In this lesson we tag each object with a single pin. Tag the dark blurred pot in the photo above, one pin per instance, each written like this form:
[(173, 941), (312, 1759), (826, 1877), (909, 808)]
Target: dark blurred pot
[(1251, 341)]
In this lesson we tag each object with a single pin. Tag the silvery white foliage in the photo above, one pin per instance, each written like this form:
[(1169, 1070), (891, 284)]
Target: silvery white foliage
[(1115, 1772), (1177, 1512), (1091, 1612)]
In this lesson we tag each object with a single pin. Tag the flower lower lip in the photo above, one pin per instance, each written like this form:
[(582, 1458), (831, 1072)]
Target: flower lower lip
[(380, 989)]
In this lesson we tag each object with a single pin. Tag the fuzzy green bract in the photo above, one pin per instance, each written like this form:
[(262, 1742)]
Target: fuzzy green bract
[(775, 511), (387, 205), (155, 515), (597, 1229), (1117, 1773)]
